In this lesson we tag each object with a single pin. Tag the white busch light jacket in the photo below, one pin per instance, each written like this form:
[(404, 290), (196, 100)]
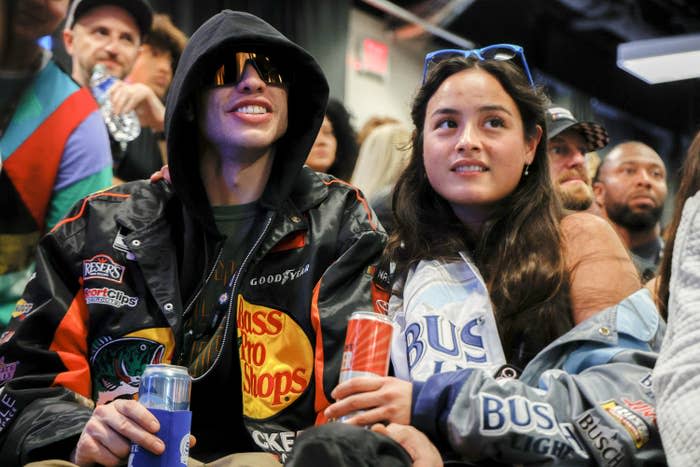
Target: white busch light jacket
[(445, 322), (586, 399)]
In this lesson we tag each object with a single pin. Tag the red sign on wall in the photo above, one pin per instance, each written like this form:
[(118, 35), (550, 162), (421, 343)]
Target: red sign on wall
[(375, 57)]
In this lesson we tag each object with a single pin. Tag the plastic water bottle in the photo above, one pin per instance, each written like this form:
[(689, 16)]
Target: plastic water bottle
[(124, 127)]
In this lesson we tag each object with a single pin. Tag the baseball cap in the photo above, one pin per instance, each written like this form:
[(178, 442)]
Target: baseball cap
[(560, 119), (139, 9)]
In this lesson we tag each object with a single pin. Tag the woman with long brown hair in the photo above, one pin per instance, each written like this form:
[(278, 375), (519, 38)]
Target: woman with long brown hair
[(568, 314)]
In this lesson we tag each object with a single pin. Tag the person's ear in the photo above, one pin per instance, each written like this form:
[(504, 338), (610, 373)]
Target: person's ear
[(531, 144), (68, 40), (599, 193)]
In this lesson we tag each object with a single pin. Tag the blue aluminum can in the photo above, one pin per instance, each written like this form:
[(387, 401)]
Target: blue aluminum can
[(165, 391), (165, 387)]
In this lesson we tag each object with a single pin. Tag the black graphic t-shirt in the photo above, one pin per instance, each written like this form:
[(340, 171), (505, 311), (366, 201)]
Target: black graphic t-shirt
[(206, 319)]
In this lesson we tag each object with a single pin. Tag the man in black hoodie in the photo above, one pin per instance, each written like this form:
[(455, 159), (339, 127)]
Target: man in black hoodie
[(245, 270)]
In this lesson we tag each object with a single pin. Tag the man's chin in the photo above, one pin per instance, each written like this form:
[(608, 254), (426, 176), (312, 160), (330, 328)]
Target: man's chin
[(578, 199)]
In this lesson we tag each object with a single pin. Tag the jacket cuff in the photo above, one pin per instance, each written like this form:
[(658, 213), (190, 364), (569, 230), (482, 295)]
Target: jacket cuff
[(417, 388), (433, 400)]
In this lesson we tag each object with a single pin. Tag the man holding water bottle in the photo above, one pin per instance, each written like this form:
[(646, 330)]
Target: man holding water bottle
[(245, 270), (110, 33)]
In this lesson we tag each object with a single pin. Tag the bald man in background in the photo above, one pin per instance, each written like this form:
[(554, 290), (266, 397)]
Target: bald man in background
[(630, 190)]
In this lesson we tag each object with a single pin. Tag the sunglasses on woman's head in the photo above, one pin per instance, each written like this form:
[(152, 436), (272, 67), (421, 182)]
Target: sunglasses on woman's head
[(491, 52), (231, 71)]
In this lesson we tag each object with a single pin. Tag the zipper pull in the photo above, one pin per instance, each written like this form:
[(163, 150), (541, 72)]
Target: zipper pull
[(186, 345)]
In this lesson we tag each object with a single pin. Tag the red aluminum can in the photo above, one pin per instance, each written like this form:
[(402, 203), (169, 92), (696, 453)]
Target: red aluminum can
[(367, 345)]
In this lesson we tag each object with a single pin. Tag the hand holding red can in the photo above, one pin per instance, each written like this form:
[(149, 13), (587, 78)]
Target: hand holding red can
[(367, 345), (365, 394)]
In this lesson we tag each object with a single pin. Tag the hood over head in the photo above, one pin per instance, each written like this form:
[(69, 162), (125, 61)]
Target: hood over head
[(225, 33)]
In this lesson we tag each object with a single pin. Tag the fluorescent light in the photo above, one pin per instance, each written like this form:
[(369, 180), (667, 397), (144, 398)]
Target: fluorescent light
[(661, 60)]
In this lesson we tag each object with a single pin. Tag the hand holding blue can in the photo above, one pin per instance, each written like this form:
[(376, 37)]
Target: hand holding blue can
[(165, 391)]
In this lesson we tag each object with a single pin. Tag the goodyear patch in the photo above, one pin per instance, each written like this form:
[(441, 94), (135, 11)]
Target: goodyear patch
[(281, 277), (276, 359)]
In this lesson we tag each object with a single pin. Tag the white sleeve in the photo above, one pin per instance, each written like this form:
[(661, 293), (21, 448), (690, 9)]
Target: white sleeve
[(676, 377)]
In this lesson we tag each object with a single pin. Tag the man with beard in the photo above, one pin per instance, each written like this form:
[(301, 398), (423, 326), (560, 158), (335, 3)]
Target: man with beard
[(630, 189), (568, 142), (111, 32)]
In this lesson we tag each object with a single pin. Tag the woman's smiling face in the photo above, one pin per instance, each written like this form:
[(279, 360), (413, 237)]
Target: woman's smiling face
[(474, 144)]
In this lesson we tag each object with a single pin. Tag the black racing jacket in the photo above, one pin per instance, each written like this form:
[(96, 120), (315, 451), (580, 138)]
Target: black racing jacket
[(107, 299)]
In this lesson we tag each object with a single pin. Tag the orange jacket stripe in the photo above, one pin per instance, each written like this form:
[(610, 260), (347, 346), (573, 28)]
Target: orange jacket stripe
[(70, 343), (320, 402), (82, 208), (360, 198), (291, 242)]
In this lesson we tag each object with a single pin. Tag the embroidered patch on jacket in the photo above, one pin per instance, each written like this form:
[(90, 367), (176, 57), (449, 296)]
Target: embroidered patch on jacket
[(6, 336), (276, 359), (642, 408), (273, 439), (120, 245), (108, 296), (117, 364), (280, 278), (499, 415), (380, 288), (646, 381), (568, 432), (7, 370), (601, 438), (633, 423), (22, 309), (7, 410), (103, 267)]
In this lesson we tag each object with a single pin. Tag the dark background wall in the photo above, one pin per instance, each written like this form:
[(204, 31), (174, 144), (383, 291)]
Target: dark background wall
[(570, 45), (318, 26)]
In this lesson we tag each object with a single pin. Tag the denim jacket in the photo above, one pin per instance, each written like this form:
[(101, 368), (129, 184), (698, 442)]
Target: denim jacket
[(586, 399)]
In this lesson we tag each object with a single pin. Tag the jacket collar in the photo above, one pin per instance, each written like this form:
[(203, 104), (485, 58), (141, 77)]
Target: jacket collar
[(635, 316), (309, 189), (145, 207)]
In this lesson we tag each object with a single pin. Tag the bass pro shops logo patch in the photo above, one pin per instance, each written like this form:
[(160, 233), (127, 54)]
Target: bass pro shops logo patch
[(276, 359)]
